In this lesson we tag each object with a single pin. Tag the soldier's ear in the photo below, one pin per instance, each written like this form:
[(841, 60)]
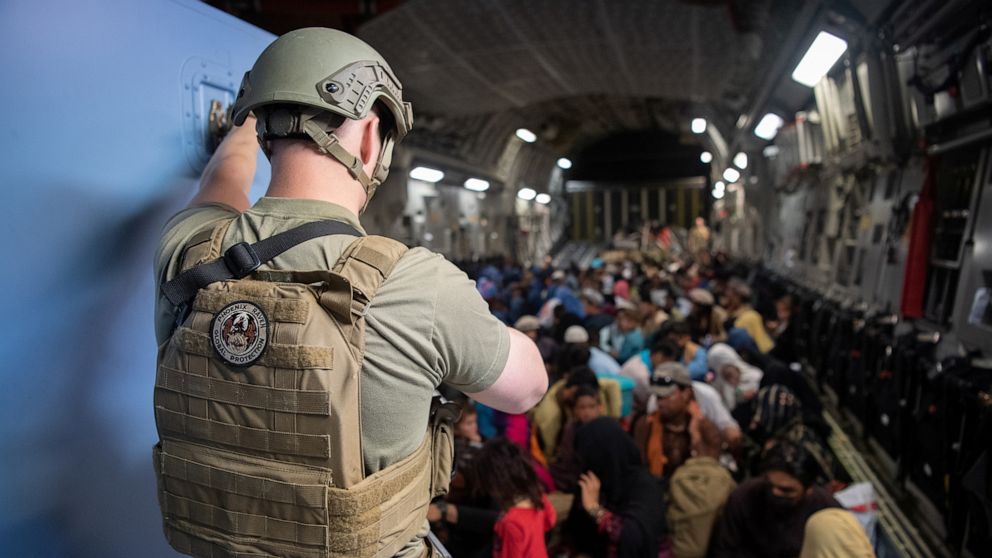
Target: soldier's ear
[(371, 142)]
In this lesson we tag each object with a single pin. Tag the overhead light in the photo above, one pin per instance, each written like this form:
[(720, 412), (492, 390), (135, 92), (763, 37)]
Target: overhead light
[(719, 185), (706, 156), (426, 174), (564, 163), (821, 56), (526, 135), (698, 125), (740, 160), (544, 199), (717, 194), (477, 184), (731, 175), (770, 151), (526, 194), (768, 126)]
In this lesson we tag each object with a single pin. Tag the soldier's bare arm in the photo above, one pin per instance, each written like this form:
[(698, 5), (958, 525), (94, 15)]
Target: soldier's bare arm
[(523, 381), (231, 170)]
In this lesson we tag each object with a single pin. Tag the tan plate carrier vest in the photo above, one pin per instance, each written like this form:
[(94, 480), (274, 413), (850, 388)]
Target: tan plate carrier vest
[(266, 460)]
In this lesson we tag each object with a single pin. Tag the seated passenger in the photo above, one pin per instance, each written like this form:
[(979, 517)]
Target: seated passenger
[(706, 319), (577, 338), (778, 415), (619, 510), (468, 441), (737, 297), (783, 331), (766, 515), (640, 367), (734, 379), (835, 533), (596, 319), (507, 477), (623, 339), (551, 414), (693, 356), (677, 430), (587, 405)]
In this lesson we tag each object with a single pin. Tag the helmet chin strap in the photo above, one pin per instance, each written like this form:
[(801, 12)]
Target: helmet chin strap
[(331, 145)]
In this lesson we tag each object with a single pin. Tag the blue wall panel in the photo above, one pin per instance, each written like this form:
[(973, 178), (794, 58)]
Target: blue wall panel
[(93, 162)]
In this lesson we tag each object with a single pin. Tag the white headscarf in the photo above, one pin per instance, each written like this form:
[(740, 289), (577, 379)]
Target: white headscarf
[(722, 355)]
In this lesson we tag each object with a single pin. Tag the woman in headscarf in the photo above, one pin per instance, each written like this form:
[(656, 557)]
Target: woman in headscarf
[(617, 511), (778, 414), (736, 380)]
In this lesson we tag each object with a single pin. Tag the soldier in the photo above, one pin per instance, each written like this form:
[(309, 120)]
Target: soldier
[(299, 357)]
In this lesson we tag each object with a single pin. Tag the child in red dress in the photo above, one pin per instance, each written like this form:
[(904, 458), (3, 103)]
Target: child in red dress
[(509, 479)]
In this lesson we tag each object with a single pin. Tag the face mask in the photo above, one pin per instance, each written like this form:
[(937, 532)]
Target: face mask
[(780, 505)]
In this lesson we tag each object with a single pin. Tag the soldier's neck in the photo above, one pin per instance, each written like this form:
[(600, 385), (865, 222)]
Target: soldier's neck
[(309, 175)]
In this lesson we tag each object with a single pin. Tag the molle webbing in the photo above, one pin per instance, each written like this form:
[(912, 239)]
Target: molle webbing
[(259, 397), (257, 439), (277, 309), (368, 261), (205, 245), (277, 355), (304, 495)]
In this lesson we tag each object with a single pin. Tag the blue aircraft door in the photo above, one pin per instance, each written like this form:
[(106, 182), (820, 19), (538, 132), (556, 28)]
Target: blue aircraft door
[(103, 116)]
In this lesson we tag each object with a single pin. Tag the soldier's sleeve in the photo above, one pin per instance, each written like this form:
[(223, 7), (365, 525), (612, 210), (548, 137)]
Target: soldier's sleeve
[(472, 345), (175, 235)]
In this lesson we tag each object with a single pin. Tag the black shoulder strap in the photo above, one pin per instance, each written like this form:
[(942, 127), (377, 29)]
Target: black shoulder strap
[(243, 258)]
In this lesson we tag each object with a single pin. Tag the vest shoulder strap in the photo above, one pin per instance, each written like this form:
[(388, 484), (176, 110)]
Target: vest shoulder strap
[(205, 245), (368, 261)]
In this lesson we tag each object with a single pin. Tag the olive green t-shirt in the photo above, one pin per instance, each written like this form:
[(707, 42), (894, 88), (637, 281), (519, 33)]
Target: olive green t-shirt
[(426, 325)]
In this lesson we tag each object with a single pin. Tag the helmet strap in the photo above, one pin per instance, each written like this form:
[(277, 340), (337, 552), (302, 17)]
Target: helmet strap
[(331, 145)]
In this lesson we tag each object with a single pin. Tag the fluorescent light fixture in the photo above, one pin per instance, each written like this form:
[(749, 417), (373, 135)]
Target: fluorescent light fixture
[(706, 156), (731, 175), (740, 160), (526, 194), (526, 135), (698, 125), (426, 174), (770, 151), (543, 199), (565, 163), (717, 194), (719, 185), (821, 56), (477, 184), (768, 126)]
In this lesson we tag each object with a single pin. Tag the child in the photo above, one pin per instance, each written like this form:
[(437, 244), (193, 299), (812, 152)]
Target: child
[(587, 405), (467, 438), (526, 513)]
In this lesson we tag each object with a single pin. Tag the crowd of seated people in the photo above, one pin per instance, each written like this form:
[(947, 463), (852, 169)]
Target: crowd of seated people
[(677, 422)]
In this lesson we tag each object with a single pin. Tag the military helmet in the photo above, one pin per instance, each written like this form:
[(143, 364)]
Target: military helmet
[(323, 75)]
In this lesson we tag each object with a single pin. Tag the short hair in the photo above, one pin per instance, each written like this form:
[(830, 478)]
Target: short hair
[(582, 376), (791, 458), (667, 348), (586, 390), (573, 357), (679, 328)]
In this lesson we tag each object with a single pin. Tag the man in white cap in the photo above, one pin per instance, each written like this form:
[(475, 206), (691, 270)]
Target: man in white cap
[(576, 337)]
